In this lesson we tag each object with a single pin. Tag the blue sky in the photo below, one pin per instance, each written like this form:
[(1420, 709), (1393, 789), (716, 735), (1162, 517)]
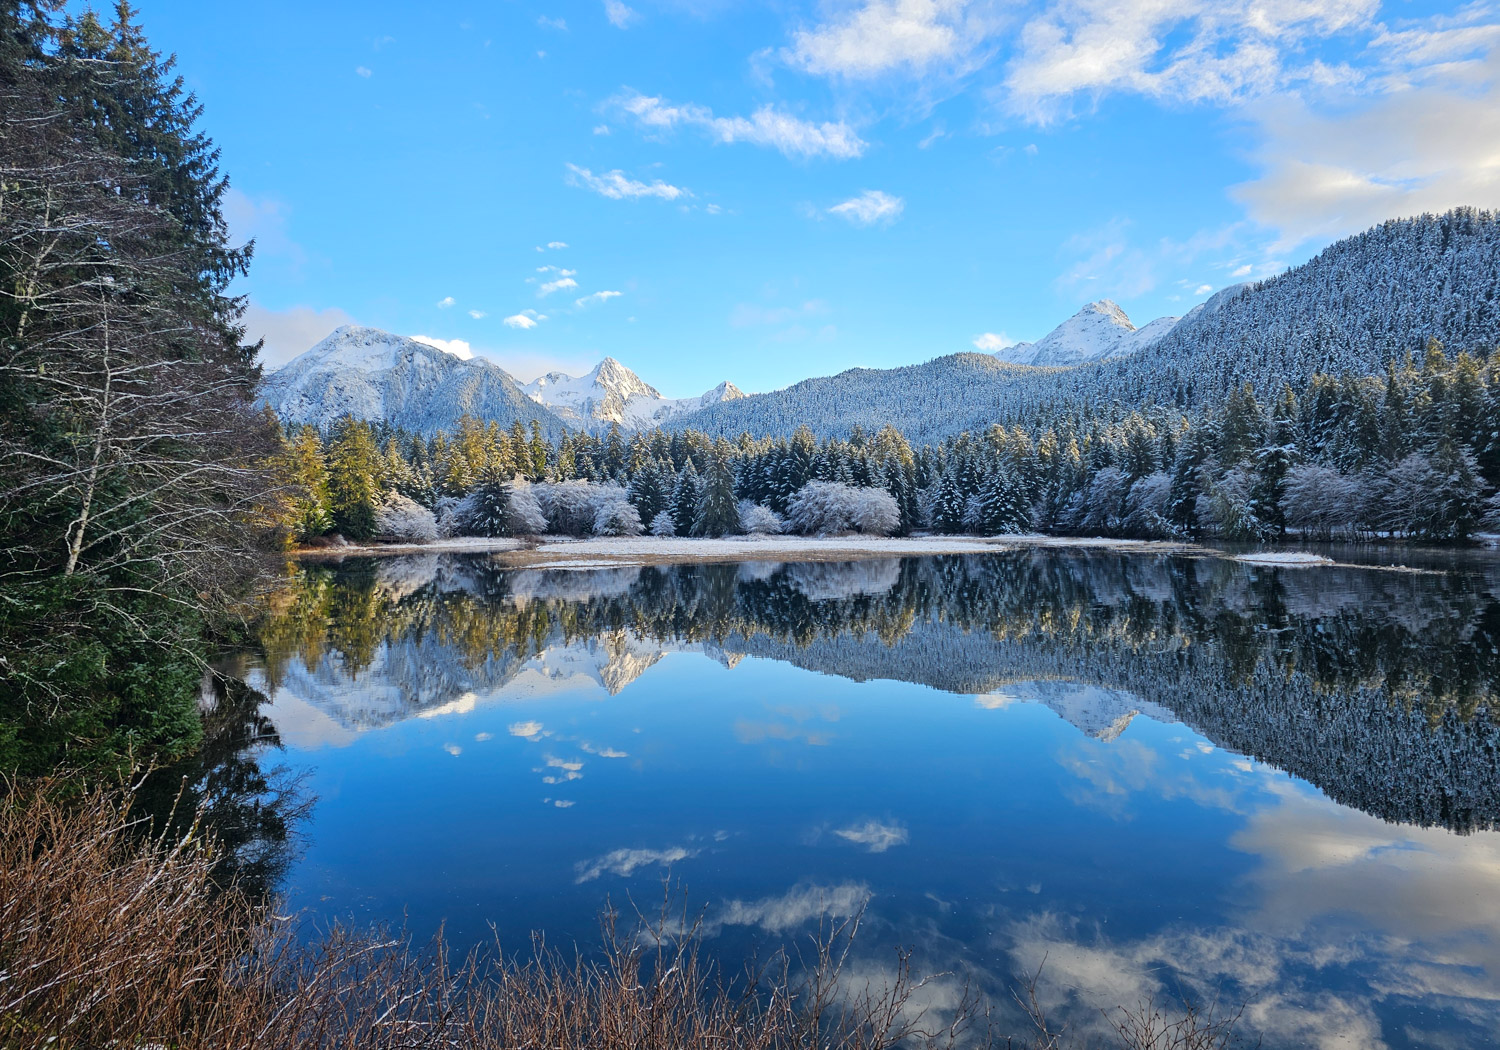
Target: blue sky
[(761, 192)]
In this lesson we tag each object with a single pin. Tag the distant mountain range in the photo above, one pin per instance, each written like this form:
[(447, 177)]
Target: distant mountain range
[(1359, 304), (612, 393), (375, 375)]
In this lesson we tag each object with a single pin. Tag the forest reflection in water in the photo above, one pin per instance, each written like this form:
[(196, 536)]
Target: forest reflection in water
[(1108, 789)]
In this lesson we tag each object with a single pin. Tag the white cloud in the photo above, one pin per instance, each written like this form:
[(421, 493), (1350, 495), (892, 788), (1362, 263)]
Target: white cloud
[(767, 126), (874, 836), (478, 314), (869, 207), (559, 24), (1327, 172), (616, 185), (619, 14), (601, 129), (1203, 289), (363, 71), (556, 286), (1182, 50), (555, 245), (990, 342), (596, 298), (445, 302), (457, 347), (883, 35), (627, 861), (519, 321), (797, 906), (288, 333)]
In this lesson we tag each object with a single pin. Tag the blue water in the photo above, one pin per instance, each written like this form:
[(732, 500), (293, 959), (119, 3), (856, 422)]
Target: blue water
[(1072, 763)]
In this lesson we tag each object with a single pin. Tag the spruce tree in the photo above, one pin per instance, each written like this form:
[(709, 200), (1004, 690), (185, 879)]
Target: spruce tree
[(717, 512), (685, 499), (353, 487), (648, 492), (487, 510)]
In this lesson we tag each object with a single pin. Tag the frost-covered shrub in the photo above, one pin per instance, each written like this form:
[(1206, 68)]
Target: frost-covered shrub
[(875, 512), (494, 508), (526, 517), (758, 520), (1146, 506), (1321, 501), (445, 509), (663, 525), (402, 520), (618, 518), (829, 508), (572, 506)]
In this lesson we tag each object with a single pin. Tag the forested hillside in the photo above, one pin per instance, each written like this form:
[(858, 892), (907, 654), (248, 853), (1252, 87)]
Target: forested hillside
[(1359, 305)]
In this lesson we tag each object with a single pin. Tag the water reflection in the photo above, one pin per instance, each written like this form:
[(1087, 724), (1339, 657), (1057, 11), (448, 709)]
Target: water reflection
[(1376, 686), (1159, 775)]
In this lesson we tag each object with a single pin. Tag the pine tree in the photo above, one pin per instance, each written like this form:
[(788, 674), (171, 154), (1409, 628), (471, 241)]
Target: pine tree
[(310, 514), (685, 499), (648, 492), (717, 512), (487, 510), (1269, 494), (537, 469), (949, 503), (353, 488), (1187, 482), (1456, 497)]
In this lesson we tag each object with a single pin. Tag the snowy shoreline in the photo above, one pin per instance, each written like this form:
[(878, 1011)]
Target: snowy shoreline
[(639, 549)]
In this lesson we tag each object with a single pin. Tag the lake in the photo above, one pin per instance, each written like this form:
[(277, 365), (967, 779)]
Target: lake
[(1169, 776)]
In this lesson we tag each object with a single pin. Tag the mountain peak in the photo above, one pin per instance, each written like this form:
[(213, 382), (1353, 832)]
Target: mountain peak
[(376, 375), (1099, 330), (1107, 308)]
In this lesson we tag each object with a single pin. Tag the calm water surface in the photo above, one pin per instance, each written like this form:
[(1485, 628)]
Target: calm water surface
[(1162, 776)]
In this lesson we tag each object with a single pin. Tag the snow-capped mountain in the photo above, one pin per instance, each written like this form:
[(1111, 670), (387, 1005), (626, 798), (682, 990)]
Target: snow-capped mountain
[(1099, 331), (612, 393), (375, 375)]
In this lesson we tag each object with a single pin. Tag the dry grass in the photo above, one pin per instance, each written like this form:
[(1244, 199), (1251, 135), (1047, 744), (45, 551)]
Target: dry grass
[(112, 936)]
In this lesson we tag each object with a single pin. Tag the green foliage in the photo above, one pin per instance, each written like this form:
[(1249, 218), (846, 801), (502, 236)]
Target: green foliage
[(132, 480), (95, 702), (354, 480), (717, 511)]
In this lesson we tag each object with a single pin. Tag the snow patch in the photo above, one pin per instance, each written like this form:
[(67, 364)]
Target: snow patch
[(1284, 558)]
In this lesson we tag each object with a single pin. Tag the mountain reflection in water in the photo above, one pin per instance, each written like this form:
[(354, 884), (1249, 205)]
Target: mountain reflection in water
[(512, 746)]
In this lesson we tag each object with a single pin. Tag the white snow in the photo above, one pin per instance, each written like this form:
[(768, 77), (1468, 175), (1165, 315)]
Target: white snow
[(1100, 330), (1284, 558), (612, 393), (454, 545)]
